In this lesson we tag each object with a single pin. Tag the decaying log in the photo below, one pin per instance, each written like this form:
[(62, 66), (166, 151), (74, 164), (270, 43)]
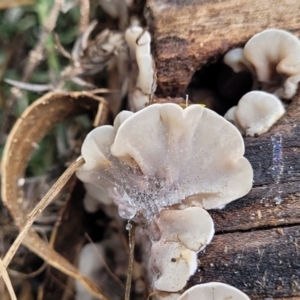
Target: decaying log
[(189, 33), (257, 245)]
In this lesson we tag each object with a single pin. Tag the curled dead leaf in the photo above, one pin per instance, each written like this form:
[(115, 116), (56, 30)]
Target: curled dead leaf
[(31, 127)]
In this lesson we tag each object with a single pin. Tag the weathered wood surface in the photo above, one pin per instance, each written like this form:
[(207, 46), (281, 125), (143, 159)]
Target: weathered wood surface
[(264, 264), (189, 33), (256, 247), (275, 197)]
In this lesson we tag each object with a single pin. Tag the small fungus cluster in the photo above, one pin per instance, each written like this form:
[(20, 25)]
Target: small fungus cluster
[(164, 166), (272, 57)]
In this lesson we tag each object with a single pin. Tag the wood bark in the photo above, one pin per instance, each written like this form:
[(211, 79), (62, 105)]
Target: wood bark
[(189, 33), (257, 242)]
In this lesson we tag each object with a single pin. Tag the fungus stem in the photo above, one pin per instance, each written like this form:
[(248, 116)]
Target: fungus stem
[(131, 235)]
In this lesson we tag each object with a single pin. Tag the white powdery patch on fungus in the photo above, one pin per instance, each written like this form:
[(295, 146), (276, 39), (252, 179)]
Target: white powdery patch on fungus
[(163, 154), (213, 291), (256, 112), (274, 54), (139, 43)]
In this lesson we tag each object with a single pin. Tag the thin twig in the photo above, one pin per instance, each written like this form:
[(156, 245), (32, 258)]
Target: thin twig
[(131, 234)]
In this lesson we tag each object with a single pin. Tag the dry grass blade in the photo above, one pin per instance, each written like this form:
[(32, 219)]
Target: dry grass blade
[(3, 273), (36, 54), (33, 125), (29, 86), (61, 48), (51, 194)]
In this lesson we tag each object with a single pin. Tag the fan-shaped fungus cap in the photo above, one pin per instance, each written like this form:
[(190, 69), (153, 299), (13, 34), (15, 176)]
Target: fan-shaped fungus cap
[(274, 54), (163, 154), (257, 111), (175, 264), (213, 291), (192, 227), (236, 60)]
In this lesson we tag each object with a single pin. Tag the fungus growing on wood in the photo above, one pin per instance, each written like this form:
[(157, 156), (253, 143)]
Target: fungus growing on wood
[(274, 54), (236, 60), (175, 264), (155, 164), (230, 115), (257, 111), (144, 177), (213, 291), (191, 227), (139, 41), (173, 258)]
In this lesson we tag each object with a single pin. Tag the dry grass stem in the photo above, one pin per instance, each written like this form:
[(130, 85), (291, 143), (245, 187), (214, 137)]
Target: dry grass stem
[(84, 15), (36, 55), (131, 233), (4, 274), (33, 274), (52, 193)]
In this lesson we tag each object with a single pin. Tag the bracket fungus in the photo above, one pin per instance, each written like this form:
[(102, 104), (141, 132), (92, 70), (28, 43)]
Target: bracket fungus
[(163, 154), (192, 227), (213, 291), (274, 54), (256, 112), (175, 264), (174, 257), (163, 166), (236, 60)]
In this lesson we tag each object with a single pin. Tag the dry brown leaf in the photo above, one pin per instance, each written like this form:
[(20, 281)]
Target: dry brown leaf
[(28, 131)]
